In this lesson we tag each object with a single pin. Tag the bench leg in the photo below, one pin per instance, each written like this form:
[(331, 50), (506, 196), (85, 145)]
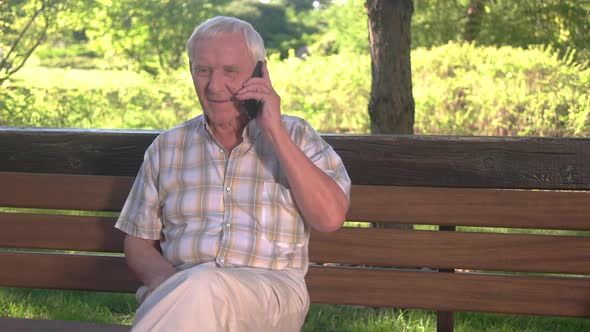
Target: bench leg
[(444, 321)]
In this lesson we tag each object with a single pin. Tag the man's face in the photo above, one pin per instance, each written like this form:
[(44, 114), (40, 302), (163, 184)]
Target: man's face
[(220, 64)]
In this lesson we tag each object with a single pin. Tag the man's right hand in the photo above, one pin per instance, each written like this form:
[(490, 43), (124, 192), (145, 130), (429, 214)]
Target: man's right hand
[(145, 260)]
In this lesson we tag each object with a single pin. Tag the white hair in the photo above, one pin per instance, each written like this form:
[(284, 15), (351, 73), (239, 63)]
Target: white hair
[(223, 24)]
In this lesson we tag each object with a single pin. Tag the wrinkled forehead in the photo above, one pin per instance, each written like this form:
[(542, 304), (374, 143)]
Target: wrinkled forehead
[(226, 45)]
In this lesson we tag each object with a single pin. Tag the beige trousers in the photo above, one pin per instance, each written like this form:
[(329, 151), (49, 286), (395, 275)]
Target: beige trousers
[(209, 298)]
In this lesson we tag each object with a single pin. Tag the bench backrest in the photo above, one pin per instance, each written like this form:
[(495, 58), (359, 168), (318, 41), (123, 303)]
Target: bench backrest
[(448, 184)]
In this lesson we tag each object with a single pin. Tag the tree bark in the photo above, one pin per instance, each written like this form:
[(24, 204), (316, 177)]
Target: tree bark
[(391, 105), (475, 13)]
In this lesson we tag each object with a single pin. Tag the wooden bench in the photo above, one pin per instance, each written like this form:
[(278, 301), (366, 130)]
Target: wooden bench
[(448, 183)]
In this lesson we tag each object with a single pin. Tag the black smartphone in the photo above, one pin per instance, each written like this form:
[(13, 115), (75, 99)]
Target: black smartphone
[(252, 105)]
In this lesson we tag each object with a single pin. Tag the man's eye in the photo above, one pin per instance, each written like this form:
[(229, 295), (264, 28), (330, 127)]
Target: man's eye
[(203, 71)]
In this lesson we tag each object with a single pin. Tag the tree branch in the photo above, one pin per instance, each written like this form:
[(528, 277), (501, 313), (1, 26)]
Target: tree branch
[(20, 37)]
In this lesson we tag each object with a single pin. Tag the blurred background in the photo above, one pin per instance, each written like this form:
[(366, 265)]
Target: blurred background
[(479, 67)]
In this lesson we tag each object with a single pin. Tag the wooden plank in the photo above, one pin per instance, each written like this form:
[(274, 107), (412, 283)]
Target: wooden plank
[(451, 291), (28, 325), (431, 249), (73, 151), (355, 286), (506, 252), (66, 271), (406, 160), (67, 192), (566, 210), (36, 231), (467, 162)]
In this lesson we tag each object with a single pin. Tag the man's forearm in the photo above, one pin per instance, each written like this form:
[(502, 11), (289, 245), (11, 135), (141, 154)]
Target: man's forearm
[(146, 261), (321, 201)]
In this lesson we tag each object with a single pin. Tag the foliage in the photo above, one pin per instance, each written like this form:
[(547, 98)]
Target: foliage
[(26, 24), (281, 25), (331, 92), (461, 89), (77, 103), (562, 24), (150, 33), (344, 29), (437, 22)]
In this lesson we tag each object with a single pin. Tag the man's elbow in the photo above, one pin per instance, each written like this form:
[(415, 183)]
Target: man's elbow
[(330, 223)]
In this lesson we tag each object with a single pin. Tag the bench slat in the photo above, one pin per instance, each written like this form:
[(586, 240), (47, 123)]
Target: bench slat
[(471, 207), (451, 291), (565, 210), (388, 288), (66, 271), (535, 253), (66, 192), (484, 251), (38, 231), (409, 160)]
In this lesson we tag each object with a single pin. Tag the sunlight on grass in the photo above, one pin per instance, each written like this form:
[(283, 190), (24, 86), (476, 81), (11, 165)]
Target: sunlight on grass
[(42, 77), (352, 319), (67, 305)]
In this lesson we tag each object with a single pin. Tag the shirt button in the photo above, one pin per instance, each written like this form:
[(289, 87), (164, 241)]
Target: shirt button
[(220, 150), (227, 188), (222, 261), (227, 224)]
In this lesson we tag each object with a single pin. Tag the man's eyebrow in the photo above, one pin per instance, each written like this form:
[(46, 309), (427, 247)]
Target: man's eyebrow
[(231, 68)]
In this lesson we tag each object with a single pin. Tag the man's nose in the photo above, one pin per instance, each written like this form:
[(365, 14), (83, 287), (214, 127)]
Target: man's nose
[(216, 82)]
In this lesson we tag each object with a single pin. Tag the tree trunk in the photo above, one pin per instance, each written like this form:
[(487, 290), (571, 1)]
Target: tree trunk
[(391, 106), (475, 13)]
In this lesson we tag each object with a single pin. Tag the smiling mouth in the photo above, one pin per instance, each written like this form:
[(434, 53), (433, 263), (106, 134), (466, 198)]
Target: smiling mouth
[(215, 99)]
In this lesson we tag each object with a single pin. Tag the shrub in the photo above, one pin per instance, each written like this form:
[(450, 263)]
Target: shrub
[(331, 92), (145, 107), (461, 89)]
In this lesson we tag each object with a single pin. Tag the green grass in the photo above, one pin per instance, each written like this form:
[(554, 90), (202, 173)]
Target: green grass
[(120, 308), (45, 77), (67, 305)]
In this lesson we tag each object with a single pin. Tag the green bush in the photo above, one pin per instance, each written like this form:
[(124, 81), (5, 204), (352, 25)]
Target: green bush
[(461, 89), (146, 107), (331, 92)]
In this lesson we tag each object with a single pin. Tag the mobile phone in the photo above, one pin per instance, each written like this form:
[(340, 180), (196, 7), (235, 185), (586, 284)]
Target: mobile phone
[(252, 105)]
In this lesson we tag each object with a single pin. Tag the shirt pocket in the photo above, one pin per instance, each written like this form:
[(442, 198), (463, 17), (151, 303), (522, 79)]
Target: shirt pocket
[(278, 217)]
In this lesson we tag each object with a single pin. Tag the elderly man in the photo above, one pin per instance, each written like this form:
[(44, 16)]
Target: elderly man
[(218, 218)]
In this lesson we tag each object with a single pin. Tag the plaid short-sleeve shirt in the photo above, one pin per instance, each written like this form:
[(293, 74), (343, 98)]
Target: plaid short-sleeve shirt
[(235, 210)]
